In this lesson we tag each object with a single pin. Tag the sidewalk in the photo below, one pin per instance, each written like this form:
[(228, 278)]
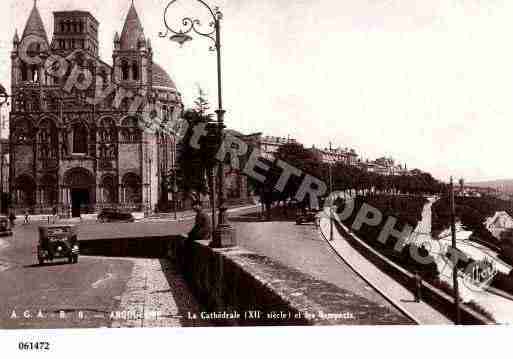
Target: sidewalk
[(401, 297), (180, 216)]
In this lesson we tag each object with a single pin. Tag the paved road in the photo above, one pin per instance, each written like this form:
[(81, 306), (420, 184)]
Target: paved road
[(301, 247), (94, 287)]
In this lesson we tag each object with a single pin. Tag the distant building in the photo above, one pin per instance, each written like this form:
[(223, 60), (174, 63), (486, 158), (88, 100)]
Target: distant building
[(472, 191), (385, 166), (269, 145), (499, 223), (336, 155)]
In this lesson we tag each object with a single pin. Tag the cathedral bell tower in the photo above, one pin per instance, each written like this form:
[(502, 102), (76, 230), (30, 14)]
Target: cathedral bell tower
[(75, 30), (23, 72), (133, 56)]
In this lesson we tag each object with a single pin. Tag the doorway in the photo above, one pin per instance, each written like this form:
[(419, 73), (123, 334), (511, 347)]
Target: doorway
[(79, 202)]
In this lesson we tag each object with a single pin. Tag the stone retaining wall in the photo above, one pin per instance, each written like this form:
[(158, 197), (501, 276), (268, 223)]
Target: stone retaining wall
[(238, 280)]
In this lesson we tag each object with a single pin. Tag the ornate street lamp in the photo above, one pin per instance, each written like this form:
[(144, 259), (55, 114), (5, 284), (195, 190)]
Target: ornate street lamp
[(223, 234), (4, 97)]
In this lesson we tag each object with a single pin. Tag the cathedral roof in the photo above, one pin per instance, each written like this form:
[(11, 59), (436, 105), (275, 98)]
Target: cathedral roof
[(161, 77), (35, 24), (132, 30)]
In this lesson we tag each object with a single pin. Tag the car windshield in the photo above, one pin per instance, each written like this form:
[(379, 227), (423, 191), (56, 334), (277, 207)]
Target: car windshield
[(57, 231)]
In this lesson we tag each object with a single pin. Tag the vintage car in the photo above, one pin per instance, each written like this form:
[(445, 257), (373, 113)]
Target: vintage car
[(5, 228), (58, 241), (115, 215)]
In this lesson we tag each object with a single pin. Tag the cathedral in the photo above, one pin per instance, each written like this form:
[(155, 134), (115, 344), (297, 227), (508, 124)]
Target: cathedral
[(78, 156)]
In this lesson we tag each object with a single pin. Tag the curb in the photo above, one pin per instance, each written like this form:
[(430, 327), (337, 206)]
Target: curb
[(376, 288)]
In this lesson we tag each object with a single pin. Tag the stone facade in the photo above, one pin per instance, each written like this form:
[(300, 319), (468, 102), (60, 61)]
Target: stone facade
[(78, 156)]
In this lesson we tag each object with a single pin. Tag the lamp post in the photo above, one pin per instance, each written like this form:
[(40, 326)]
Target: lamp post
[(330, 173), (173, 188), (223, 234), (4, 97), (454, 247)]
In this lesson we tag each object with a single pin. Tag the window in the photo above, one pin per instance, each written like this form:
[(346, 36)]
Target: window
[(125, 70), (63, 27), (24, 73), (80, 139), (135, 70), (34, 73)]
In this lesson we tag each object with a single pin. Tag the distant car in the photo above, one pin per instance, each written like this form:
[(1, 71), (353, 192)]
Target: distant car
[(115, 215), (306, 216), (5, 229)]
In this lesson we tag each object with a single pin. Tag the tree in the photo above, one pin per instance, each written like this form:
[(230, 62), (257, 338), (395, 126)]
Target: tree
[(191, 160), (201, 103)]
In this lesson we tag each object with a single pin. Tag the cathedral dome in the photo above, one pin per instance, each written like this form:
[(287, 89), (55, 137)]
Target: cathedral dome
[(161, 78)]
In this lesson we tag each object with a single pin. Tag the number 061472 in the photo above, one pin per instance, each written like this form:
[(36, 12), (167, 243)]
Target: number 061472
[(30, 346)]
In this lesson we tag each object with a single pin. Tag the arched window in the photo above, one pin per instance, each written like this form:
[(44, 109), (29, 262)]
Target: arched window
[(130, 130), (49, 192), (47, 140), (125, 70), (135, 70), (109, 191), (79, 138), (22, 131), (24, 72), (34, 73), (132, 188), (25, 191), (108, 138)]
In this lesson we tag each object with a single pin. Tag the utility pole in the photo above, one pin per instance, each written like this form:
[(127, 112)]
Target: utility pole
[(455, 268), (331, 193)]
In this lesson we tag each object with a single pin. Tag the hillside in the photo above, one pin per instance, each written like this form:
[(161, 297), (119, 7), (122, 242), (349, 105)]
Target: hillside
[(503, 185)]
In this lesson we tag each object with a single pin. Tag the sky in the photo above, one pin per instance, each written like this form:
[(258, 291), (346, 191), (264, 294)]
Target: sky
[(429, 83)]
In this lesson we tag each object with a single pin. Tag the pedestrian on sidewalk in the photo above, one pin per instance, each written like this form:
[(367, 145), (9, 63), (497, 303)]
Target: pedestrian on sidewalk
[(54, 213), (12, 217), (26, 216), (418, 287)]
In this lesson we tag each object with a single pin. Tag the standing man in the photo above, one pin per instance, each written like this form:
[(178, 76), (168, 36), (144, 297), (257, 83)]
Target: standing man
[(418, 287), (202, 229), (54, 213)]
